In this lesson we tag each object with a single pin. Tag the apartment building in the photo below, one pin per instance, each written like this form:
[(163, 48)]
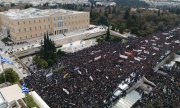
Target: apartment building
[(32, 23)]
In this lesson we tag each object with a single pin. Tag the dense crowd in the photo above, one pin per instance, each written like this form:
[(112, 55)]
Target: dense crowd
[(85, 78), (166, 94)]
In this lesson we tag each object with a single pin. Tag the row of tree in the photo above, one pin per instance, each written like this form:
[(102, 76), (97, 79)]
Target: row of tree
[(141, 22)]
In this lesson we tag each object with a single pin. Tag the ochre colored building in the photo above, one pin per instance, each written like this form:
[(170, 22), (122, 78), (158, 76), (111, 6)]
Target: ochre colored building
[(31, 23)]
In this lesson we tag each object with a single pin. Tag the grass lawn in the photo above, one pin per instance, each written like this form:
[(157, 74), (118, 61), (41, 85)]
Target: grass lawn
[(30, 102)]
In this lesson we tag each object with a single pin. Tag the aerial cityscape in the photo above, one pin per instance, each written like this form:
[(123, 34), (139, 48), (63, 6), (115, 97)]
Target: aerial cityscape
[(89, 53)]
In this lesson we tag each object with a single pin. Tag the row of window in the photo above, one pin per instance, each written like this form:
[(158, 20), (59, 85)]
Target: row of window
[(69, 17), (61, 24), (35, 21), (31, 36), (73, 28), (55, 32), (48, 19), (35, 28)]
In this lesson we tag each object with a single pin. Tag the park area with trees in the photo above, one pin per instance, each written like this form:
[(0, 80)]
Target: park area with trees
[(138, 21)]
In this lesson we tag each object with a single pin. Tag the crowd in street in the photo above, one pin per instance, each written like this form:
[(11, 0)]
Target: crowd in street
[(166, 94), (85, 78), (15, 43)]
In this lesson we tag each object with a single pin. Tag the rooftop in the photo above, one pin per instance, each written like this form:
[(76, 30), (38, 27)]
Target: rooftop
[(2, 100), (12, 93), (34, 13)]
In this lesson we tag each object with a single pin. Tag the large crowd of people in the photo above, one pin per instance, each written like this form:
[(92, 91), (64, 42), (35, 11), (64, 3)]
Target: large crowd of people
[(166, 94), (85, 78)]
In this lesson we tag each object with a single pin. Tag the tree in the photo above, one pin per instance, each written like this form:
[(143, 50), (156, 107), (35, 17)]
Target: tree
[(41, 63), (99, 40), (100, 10), (116, 39), (107, 35), (103, 21), (12, 4), (60, 53), (105, 13), (121, 27), (114, 10), (159, 12), (48, 50), (10, 75), (27, 6), (161, 26), (149, 106), (113, 27), (127, 14), (91, 15), (109, 10), (2, 79)]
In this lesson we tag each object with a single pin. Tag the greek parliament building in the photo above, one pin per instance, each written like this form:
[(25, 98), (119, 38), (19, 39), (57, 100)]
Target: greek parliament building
[(31, 23)]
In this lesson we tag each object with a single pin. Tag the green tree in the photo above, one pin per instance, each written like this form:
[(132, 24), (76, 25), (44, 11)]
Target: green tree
[(114, 10), (11, 75), (113, 27), (161, 26), (107, 35), (12, 4), (106, 13), (121, 27), (149, 106), (109, 10), (127, 14), (48, 50), (159, 12), (116, 39), (100, 10), (91, 14), (103, 21), (27, 6), (99, 40), (60, 53), (2, 79), (41, 63)]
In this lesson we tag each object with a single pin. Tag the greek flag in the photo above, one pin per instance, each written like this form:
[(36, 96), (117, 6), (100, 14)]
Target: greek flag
[(25, 89), (5, 60)]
